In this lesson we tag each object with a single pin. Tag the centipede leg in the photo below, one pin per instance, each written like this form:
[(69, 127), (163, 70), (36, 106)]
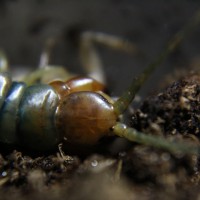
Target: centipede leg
[(46, 72), (3, 62), (46, 75), (89, 56)]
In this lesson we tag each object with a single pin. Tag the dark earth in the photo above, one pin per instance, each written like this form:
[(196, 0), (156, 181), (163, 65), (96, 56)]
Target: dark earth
[(115, 168)]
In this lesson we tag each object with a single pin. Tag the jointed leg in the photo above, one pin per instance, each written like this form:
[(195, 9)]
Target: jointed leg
[(46, 53), (89, 56), (3, 62), (46, 72)]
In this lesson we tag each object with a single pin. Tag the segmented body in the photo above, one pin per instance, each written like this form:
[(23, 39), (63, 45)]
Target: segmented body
[(27, 112), (41, 116)]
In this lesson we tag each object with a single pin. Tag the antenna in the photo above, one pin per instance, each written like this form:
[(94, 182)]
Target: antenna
[(124, 101)]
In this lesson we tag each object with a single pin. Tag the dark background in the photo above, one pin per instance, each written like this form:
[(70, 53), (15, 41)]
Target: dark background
[(25, 25)]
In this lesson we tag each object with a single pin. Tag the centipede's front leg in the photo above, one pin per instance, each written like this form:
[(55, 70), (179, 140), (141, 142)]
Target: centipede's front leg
[(89, 58), (4, 66)]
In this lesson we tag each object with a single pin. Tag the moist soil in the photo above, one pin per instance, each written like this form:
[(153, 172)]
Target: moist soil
[(117, 169)]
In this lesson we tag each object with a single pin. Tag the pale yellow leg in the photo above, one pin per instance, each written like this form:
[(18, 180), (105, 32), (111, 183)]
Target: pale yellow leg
[(46, 53), (47, 73), (89, 56), (3, 62)]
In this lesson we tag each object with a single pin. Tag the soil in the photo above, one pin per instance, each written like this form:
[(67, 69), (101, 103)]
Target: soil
[(132, 172)]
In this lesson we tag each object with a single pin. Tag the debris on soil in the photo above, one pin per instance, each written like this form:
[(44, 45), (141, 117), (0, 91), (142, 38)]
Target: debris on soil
[(140, 172), (176, 111)]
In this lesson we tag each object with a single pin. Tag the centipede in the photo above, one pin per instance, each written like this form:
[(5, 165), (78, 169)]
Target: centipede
[(77, 110)]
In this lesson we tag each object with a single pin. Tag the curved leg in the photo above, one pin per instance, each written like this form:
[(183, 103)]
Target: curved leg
[(46, 53), (45, 72), (3, 62), (47, 75), (89, 56)]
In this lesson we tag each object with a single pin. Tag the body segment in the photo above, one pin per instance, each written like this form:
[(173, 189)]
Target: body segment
[(36, 118), (10, 113), (85, 117), (41, 116), (27, 114)]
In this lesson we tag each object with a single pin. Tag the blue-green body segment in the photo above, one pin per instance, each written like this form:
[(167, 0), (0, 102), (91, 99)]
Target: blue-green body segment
[(5, 84), (9, 112), (27, 114)]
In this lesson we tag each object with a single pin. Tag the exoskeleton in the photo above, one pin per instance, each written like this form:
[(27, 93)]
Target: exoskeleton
[(41, 116)]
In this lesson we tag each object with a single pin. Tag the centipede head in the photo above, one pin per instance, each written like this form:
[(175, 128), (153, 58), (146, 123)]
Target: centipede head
[(85, 117)]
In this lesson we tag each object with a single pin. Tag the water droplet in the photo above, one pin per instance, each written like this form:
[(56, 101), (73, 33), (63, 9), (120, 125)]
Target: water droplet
[(122, 154), (4, 173), (165, 156), (94, 163)]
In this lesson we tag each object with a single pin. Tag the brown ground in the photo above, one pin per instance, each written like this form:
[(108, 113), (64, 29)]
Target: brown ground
[(136, 172)]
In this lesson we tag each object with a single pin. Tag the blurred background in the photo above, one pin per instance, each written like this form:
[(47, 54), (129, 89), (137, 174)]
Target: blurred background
[(26, 24)]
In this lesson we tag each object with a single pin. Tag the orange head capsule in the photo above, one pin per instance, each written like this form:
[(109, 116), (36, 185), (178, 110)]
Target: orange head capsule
[(85, 117)]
